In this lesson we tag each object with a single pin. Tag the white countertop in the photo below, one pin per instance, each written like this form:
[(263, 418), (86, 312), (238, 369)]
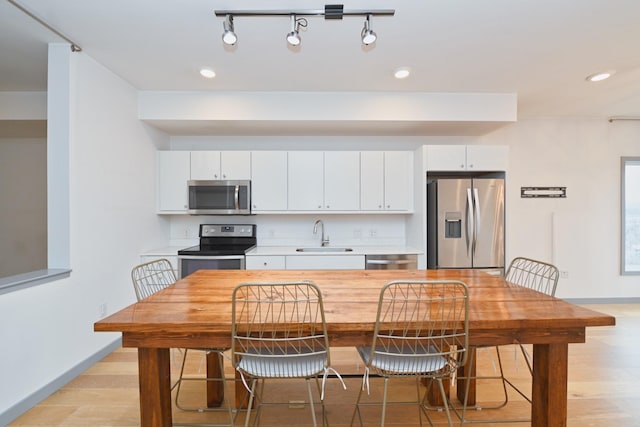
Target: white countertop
[(164, 251), (357, 250), (291, 250)]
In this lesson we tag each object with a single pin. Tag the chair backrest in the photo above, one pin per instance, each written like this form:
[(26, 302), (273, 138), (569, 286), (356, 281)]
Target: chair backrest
[(533, 274), (279, 319), (151, 277), (416, 318)]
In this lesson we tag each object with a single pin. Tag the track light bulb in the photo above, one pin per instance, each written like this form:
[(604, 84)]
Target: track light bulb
[(293, 38), (229, 36), (368, 36)]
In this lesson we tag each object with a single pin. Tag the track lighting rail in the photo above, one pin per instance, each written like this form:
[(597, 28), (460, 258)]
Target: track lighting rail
[(330, 11)]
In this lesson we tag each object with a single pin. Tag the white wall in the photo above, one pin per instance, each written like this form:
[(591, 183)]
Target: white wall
[(23, 211), (580, 234), (48, 329)]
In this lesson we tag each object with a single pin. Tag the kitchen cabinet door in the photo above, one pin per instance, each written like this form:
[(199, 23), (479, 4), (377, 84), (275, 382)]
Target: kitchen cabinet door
[(235, 165), (398, 181), (325, 262), (372, 180), (446, 157), (467, 158), (262, 262), (387, 181), (342, 180), (487, 157), (305, 180), (173, 174), (211, 165), (268, 181), (205, 165)]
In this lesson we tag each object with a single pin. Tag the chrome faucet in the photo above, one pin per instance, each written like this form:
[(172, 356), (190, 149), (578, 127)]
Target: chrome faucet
[(324, 241)]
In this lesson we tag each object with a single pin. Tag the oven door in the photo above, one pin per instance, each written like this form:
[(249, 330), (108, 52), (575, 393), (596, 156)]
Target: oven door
[(188, 264)]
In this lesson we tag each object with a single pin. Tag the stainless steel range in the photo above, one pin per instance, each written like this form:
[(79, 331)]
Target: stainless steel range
[(222, 247)]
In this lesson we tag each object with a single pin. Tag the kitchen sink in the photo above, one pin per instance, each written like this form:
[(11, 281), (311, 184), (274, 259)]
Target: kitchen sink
[(324, 249)]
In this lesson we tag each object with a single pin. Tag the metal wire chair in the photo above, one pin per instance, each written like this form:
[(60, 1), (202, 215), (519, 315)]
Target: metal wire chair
[(279, 331), (539, 276), (421, 331), (149, 278)]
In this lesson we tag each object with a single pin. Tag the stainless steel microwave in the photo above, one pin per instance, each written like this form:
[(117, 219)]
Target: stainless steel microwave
[(219, 197)]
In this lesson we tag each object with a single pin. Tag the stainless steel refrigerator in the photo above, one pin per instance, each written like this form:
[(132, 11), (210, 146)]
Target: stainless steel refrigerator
[(465, 222)]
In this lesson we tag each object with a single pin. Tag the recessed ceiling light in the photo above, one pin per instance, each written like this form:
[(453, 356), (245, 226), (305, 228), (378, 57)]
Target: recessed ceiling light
[(402, 73), (208, 73), (599, 76)]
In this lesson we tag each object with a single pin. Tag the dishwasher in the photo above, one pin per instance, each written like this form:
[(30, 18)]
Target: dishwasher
[(391, 262)]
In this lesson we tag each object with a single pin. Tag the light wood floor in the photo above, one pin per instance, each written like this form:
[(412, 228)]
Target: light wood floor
[(603, 390)]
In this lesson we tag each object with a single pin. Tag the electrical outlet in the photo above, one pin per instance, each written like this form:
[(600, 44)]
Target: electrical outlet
[(564, 274), (373, 232), (357, 233), (186, 232), (102, 310)]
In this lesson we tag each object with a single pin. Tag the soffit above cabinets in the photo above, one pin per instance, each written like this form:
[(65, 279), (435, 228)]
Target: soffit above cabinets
[(363, 114)]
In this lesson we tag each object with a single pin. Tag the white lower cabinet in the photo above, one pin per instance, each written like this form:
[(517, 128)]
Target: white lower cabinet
[(262, 262), (325, 262)]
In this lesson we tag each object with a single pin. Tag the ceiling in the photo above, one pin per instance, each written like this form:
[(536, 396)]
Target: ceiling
[(540, 50)]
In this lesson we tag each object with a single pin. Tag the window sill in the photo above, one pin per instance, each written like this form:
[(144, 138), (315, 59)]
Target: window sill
[(33, 278)]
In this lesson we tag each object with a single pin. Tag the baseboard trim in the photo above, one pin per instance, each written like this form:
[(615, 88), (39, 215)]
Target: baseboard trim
[(38, 396)]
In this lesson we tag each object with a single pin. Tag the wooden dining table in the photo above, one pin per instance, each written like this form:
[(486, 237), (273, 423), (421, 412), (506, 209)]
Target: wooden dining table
[(196, 313)]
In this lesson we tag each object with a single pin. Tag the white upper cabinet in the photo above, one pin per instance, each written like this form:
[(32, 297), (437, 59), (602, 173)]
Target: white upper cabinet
[(205, 165), (398, 180), (212, 165), (386, 181), (487, 157), (342, 180), (173, 174), (306, 180), (467, 157), (268, 181), (324, 181)]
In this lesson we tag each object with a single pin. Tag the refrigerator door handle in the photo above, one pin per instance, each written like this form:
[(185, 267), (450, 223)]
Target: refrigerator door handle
[(470, 224), (476, 228)]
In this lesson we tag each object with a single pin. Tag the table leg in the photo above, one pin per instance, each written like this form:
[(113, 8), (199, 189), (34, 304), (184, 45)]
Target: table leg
[(154, 372), (215, 389), (550, 364), (468, 373)]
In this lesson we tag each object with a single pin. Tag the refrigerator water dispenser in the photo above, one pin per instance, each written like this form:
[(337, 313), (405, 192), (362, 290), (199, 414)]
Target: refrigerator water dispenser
[(452, 225)]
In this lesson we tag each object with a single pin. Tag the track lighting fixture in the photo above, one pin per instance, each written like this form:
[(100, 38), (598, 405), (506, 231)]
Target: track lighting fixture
[(293, 38), (368, 36), (330, 11), (229, 36)]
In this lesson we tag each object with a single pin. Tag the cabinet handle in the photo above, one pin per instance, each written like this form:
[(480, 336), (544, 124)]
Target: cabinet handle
[(327, 206), (265, 264), (461, 166), (471, 166), (224, 175), (388, 206), (215, 175), (319, 206)]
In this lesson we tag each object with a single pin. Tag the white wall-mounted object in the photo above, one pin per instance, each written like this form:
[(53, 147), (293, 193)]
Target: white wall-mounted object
[(212, 165), (467, 158), (174, 170)]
